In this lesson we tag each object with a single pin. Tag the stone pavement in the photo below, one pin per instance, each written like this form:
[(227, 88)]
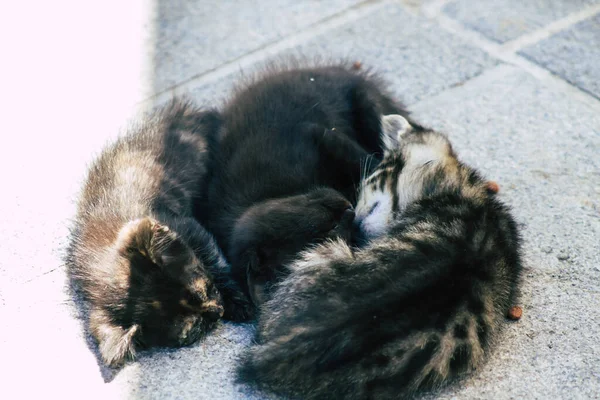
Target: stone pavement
[(515, 84)]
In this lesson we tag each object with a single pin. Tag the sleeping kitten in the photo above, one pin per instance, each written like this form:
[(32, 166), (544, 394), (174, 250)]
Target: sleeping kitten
[(152, 275), (286, 134), (421, 303)]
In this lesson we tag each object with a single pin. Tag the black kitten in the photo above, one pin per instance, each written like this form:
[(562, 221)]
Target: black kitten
[(152, 275), (286, 134)]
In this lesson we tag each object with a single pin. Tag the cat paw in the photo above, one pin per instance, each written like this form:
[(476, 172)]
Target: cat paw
[(237, 305)]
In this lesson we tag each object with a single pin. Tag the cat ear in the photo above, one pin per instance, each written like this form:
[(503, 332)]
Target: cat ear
[(155, 241), (167, 249), (135, 236), (393, 127), (116, 344)]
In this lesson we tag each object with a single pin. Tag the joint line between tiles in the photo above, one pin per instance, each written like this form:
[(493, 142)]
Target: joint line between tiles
[(264, 52), (42, 275), (550, 29), (507, 56)]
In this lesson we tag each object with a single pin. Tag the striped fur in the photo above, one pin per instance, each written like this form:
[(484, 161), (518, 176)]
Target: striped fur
[(420, 303)]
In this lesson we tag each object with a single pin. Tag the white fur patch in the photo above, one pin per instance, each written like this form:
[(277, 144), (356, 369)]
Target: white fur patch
[(420, 154), (374, 212), (319, 256)]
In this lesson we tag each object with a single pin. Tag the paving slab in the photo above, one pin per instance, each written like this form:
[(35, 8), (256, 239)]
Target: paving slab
[(193, 37), (573, 54), (36, 227), (45, 181), (45, 351), (506, 20), (416, 57)]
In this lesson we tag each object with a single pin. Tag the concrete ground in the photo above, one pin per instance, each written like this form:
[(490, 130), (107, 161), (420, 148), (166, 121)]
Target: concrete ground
[(514, 83)]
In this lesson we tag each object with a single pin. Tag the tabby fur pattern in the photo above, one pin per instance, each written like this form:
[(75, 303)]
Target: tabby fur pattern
[(421, 302)]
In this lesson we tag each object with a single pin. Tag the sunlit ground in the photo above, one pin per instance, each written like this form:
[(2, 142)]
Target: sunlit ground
[(73, 73)]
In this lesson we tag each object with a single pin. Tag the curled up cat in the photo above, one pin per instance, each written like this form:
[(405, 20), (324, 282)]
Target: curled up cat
[(293, 145), (152, 275), (420, 302)]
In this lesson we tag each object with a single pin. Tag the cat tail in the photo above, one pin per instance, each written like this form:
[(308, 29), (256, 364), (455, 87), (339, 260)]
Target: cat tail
[(329, 333), (323, 364)]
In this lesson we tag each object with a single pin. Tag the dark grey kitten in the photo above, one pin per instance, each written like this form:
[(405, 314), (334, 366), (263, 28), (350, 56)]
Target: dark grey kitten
[(152, 275), (420, 303), (288, 133)]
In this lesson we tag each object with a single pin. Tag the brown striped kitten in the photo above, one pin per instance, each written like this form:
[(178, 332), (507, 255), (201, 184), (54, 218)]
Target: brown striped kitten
[(420, 303), (152, 275)]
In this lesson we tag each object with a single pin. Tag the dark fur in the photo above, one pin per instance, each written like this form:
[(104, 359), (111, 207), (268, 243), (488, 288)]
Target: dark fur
[(288, 133), (420, 304), (152, 275), (271, 233)]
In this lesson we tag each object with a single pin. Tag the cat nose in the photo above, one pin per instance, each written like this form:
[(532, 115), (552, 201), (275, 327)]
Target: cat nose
[(212, 316), (213, 312)]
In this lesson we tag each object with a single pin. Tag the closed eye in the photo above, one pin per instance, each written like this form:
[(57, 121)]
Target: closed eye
[(373, 207)]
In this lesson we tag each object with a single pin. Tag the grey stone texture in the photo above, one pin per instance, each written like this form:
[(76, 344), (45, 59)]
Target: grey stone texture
[(536, 135), (506, 20), (415, 56), (573, 54), (193, 37)]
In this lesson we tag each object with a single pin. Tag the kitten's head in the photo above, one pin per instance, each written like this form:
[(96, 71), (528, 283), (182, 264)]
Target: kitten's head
[(271, 233), (417, 163), (161, 294)]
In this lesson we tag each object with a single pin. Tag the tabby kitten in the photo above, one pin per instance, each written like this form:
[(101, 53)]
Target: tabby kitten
[(152, 275), (421, 303), (290, 133)]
